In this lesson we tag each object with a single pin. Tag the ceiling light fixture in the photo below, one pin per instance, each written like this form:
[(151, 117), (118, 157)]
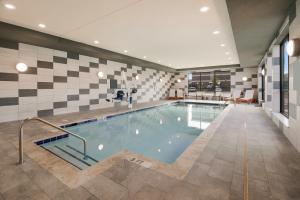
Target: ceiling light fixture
[(244, 78), (21, 67), (204, 9), (216, 32), (263, 71), (145, 57), (178, 80), (42, 25), (125, 51), (137, 77), (158, 61), (96, 42), (222, 45), (10, 6), (227, 53)]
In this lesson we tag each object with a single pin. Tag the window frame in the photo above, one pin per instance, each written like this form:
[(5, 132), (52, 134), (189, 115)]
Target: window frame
[(282, 61), (263, 84)]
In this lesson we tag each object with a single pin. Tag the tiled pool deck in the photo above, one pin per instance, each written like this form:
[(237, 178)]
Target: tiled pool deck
[(217, 173)]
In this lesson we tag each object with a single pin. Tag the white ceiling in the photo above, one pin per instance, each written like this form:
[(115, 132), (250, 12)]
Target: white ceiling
[(171, 31)]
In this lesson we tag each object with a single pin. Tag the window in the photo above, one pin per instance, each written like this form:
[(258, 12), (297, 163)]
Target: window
[(212, 81), (284, 78), (263, 83)]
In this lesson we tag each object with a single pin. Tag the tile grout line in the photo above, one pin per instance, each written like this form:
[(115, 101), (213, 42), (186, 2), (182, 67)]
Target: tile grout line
[(246, 187)]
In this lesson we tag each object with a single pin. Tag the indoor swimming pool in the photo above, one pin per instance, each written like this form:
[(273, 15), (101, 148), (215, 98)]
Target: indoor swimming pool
[(161, 133)]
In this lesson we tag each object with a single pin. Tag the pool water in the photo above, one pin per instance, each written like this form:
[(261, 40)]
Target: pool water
[(161, 133)]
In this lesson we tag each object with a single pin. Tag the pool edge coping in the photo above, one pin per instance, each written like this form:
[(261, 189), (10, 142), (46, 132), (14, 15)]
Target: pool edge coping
[(178, 169)]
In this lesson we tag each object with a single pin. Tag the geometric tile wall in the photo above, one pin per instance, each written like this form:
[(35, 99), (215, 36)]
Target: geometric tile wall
[(60, 82), (289, 126), (237, 75)]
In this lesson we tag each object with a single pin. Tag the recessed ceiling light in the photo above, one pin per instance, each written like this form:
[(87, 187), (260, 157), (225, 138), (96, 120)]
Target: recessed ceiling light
[(158, 61), (42, 25), (227, 53), (145, 57), (125, 51), (216, 32), (222, 45), (204, 9), (96, 42), (9, 6)]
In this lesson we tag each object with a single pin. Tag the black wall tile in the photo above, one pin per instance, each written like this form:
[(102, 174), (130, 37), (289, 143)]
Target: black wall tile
[(84, 91), (84, 69), (61, 104), (73, 55), (73, 97), (102, 61), (103, 81), (61, 60), (45, 85), (84, 108), (44, 64), (102, 96), (9, 77), (27, 92), (73, 74), (94, 101), (94, 85), (94, 65), (45, 113), (60, 79), (9, 101), (30, 70)]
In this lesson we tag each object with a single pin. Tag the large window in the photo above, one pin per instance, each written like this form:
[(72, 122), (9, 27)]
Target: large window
[(213, 81), (284, 78), (263, 82)]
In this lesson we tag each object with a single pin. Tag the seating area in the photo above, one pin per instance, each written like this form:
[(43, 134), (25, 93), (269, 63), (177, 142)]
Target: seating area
[(236, 95)]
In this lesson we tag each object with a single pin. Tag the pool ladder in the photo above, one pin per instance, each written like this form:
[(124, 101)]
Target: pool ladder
[(21, 157)]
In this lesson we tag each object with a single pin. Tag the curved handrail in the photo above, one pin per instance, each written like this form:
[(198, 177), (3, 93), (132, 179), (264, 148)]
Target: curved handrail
[(21, 160)]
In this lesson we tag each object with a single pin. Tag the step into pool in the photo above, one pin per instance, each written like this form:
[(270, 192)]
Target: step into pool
[(161, 133)]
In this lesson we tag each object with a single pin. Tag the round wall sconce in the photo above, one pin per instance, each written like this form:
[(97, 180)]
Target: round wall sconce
[(244, 78), (21, 67), (293, 47), (263, 71), (100, 74)]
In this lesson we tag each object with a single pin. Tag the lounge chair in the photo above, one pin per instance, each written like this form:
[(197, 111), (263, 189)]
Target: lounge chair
[(172, 94), (248, 98), (180, 94), (236, 94)]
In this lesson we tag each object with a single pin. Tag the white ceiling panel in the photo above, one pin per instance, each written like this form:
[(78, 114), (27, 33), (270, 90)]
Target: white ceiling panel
[(173, 32)]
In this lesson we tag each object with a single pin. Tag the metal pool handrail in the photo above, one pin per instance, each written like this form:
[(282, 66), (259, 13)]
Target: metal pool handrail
[(21, 160)]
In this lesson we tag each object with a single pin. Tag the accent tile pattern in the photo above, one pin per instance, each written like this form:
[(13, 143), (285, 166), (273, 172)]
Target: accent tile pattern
[(59, 82)]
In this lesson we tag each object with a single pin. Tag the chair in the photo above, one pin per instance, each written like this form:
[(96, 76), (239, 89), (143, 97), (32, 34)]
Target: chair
[(236, 94), (172, 94), (199, 94), (248, 98), (180, 94), (226, 96)]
